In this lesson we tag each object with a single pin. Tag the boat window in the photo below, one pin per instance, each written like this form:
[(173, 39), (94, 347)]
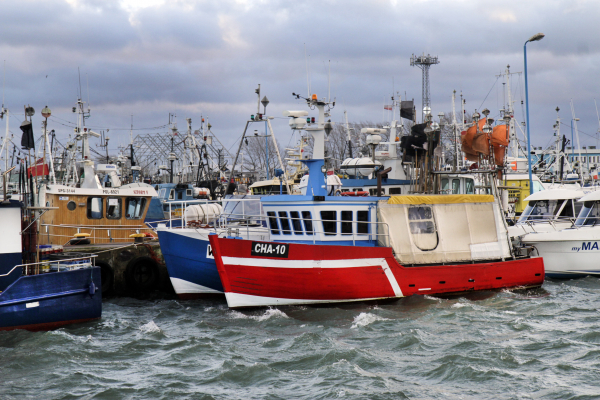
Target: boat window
[(180, 195), (590, 213), (328, 219), (455, 186), (296, 223), (567, 211), (113, 208), (445, 185), (537, 186), (373, 192), (273, 223), (578, 207), (94, 207), (362, 219), (346, 222), (161, 193), (285, 223), (172, 194), (525, 214), (422, 227), (308, 226), (395, 191), (542, 209), (357, 189), (470, 186), (135, 207), (188, 192), (71, 205), (345, 190)]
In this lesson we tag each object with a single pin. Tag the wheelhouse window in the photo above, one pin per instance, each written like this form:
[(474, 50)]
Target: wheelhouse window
[(94, 207), (308, 225), (135, 207), (346, 222), (538, 210), (395, 191), (188, 192), (589, 214), (328, 219), (469, 186), (455, 186), (362, 222), (273, 223), (422, 227), (113, 208), (296, 223), (445, 185), (285, 223), (180, 195), (172, 194)]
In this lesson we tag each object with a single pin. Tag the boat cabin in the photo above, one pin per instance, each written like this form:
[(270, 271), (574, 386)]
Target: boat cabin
[(99, 215), (590, 210)]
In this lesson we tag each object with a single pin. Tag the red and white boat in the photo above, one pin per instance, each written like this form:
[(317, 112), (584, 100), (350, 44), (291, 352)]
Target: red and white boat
[(329, 249), (313, 274)]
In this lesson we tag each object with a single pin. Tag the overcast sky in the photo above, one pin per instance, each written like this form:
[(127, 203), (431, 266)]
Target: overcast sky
[(149, 58)]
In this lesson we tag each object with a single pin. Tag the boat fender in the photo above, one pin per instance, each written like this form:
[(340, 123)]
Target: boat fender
[(92, 289)]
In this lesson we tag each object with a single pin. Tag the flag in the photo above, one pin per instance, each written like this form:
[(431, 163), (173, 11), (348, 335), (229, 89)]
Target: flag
[(387, 107), (27, 141), (407, 109)]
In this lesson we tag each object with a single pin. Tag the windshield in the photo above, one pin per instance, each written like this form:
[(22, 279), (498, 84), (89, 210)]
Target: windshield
[(238, 207), (589, 214), (539, 210)]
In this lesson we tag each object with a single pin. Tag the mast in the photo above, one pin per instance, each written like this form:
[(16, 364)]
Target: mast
[(349, 138)]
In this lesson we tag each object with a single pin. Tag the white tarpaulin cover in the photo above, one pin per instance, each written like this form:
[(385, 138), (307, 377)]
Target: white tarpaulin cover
[(443, 233)]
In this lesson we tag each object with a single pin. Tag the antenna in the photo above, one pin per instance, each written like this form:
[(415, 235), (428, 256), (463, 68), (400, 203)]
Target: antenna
[(598, 116), (329, 83), (79, 72), (307, 74), (4, 84), (88, 88)]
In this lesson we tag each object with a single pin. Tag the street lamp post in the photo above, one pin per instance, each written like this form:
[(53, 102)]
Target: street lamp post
[(534, 38)]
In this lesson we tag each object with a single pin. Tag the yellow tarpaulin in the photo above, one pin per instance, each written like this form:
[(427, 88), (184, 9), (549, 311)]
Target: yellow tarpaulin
[(442, 199)]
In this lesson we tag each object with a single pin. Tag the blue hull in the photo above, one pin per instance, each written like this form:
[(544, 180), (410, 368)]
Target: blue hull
[(192, 273), (50, 300)]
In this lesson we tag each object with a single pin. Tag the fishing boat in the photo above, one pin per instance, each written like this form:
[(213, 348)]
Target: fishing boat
[(571, 252), (43, 295), (187, 252), (329, 249)]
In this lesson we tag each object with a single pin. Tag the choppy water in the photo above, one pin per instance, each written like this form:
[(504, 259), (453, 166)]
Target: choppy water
[(541, 344)]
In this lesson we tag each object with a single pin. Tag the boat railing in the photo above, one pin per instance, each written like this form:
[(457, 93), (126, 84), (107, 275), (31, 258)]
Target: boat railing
[(102, 232), (182, 206), (54, 265)]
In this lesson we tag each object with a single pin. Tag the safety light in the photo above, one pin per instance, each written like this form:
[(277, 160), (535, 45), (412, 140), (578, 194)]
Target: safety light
[(314, 97), (259, 116), (308, 120), (312, 120), (252, 117)]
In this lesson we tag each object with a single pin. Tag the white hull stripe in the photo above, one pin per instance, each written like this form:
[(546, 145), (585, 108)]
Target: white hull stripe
[(245, 300), (282, 263), (186, 287), (353, 263)]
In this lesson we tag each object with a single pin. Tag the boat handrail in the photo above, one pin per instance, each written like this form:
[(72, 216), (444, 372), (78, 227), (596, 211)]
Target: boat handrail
[(92, 256)]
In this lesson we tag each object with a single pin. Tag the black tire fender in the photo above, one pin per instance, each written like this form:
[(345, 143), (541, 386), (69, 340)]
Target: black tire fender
[(108, 276), (141, 275)]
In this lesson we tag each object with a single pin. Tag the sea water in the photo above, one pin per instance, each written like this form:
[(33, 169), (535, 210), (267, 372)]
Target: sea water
[(534, 344)]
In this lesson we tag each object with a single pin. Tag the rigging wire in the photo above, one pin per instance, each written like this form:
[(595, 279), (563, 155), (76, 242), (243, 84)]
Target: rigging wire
[(492, 88)]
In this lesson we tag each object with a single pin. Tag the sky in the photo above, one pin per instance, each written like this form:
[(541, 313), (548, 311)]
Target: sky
[(150, 58)]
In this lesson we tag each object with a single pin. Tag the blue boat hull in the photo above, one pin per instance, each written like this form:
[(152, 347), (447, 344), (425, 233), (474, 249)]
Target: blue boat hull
[(193, 273), (51, 300)]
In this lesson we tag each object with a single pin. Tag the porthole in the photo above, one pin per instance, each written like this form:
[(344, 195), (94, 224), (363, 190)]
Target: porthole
[(71, 205)]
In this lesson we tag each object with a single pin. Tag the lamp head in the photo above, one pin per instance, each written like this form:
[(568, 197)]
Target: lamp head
[(536, 37)]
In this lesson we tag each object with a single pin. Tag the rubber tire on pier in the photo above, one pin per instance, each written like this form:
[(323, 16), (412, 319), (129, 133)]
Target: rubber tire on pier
[(141, 275), (108, 276)]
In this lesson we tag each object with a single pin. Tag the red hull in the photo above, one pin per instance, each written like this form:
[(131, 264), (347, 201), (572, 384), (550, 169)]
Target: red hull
[(310, 274)]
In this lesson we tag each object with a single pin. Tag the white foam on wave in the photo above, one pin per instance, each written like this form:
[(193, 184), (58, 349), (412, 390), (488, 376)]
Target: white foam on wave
[(269, 313), (150, 327), (364, 319), (458, 305)]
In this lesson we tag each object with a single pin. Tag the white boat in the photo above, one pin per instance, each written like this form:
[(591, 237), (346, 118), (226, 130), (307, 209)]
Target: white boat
[(572, 252)]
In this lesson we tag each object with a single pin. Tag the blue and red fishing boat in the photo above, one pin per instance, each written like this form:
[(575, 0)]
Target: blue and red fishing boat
[(329, 249)]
